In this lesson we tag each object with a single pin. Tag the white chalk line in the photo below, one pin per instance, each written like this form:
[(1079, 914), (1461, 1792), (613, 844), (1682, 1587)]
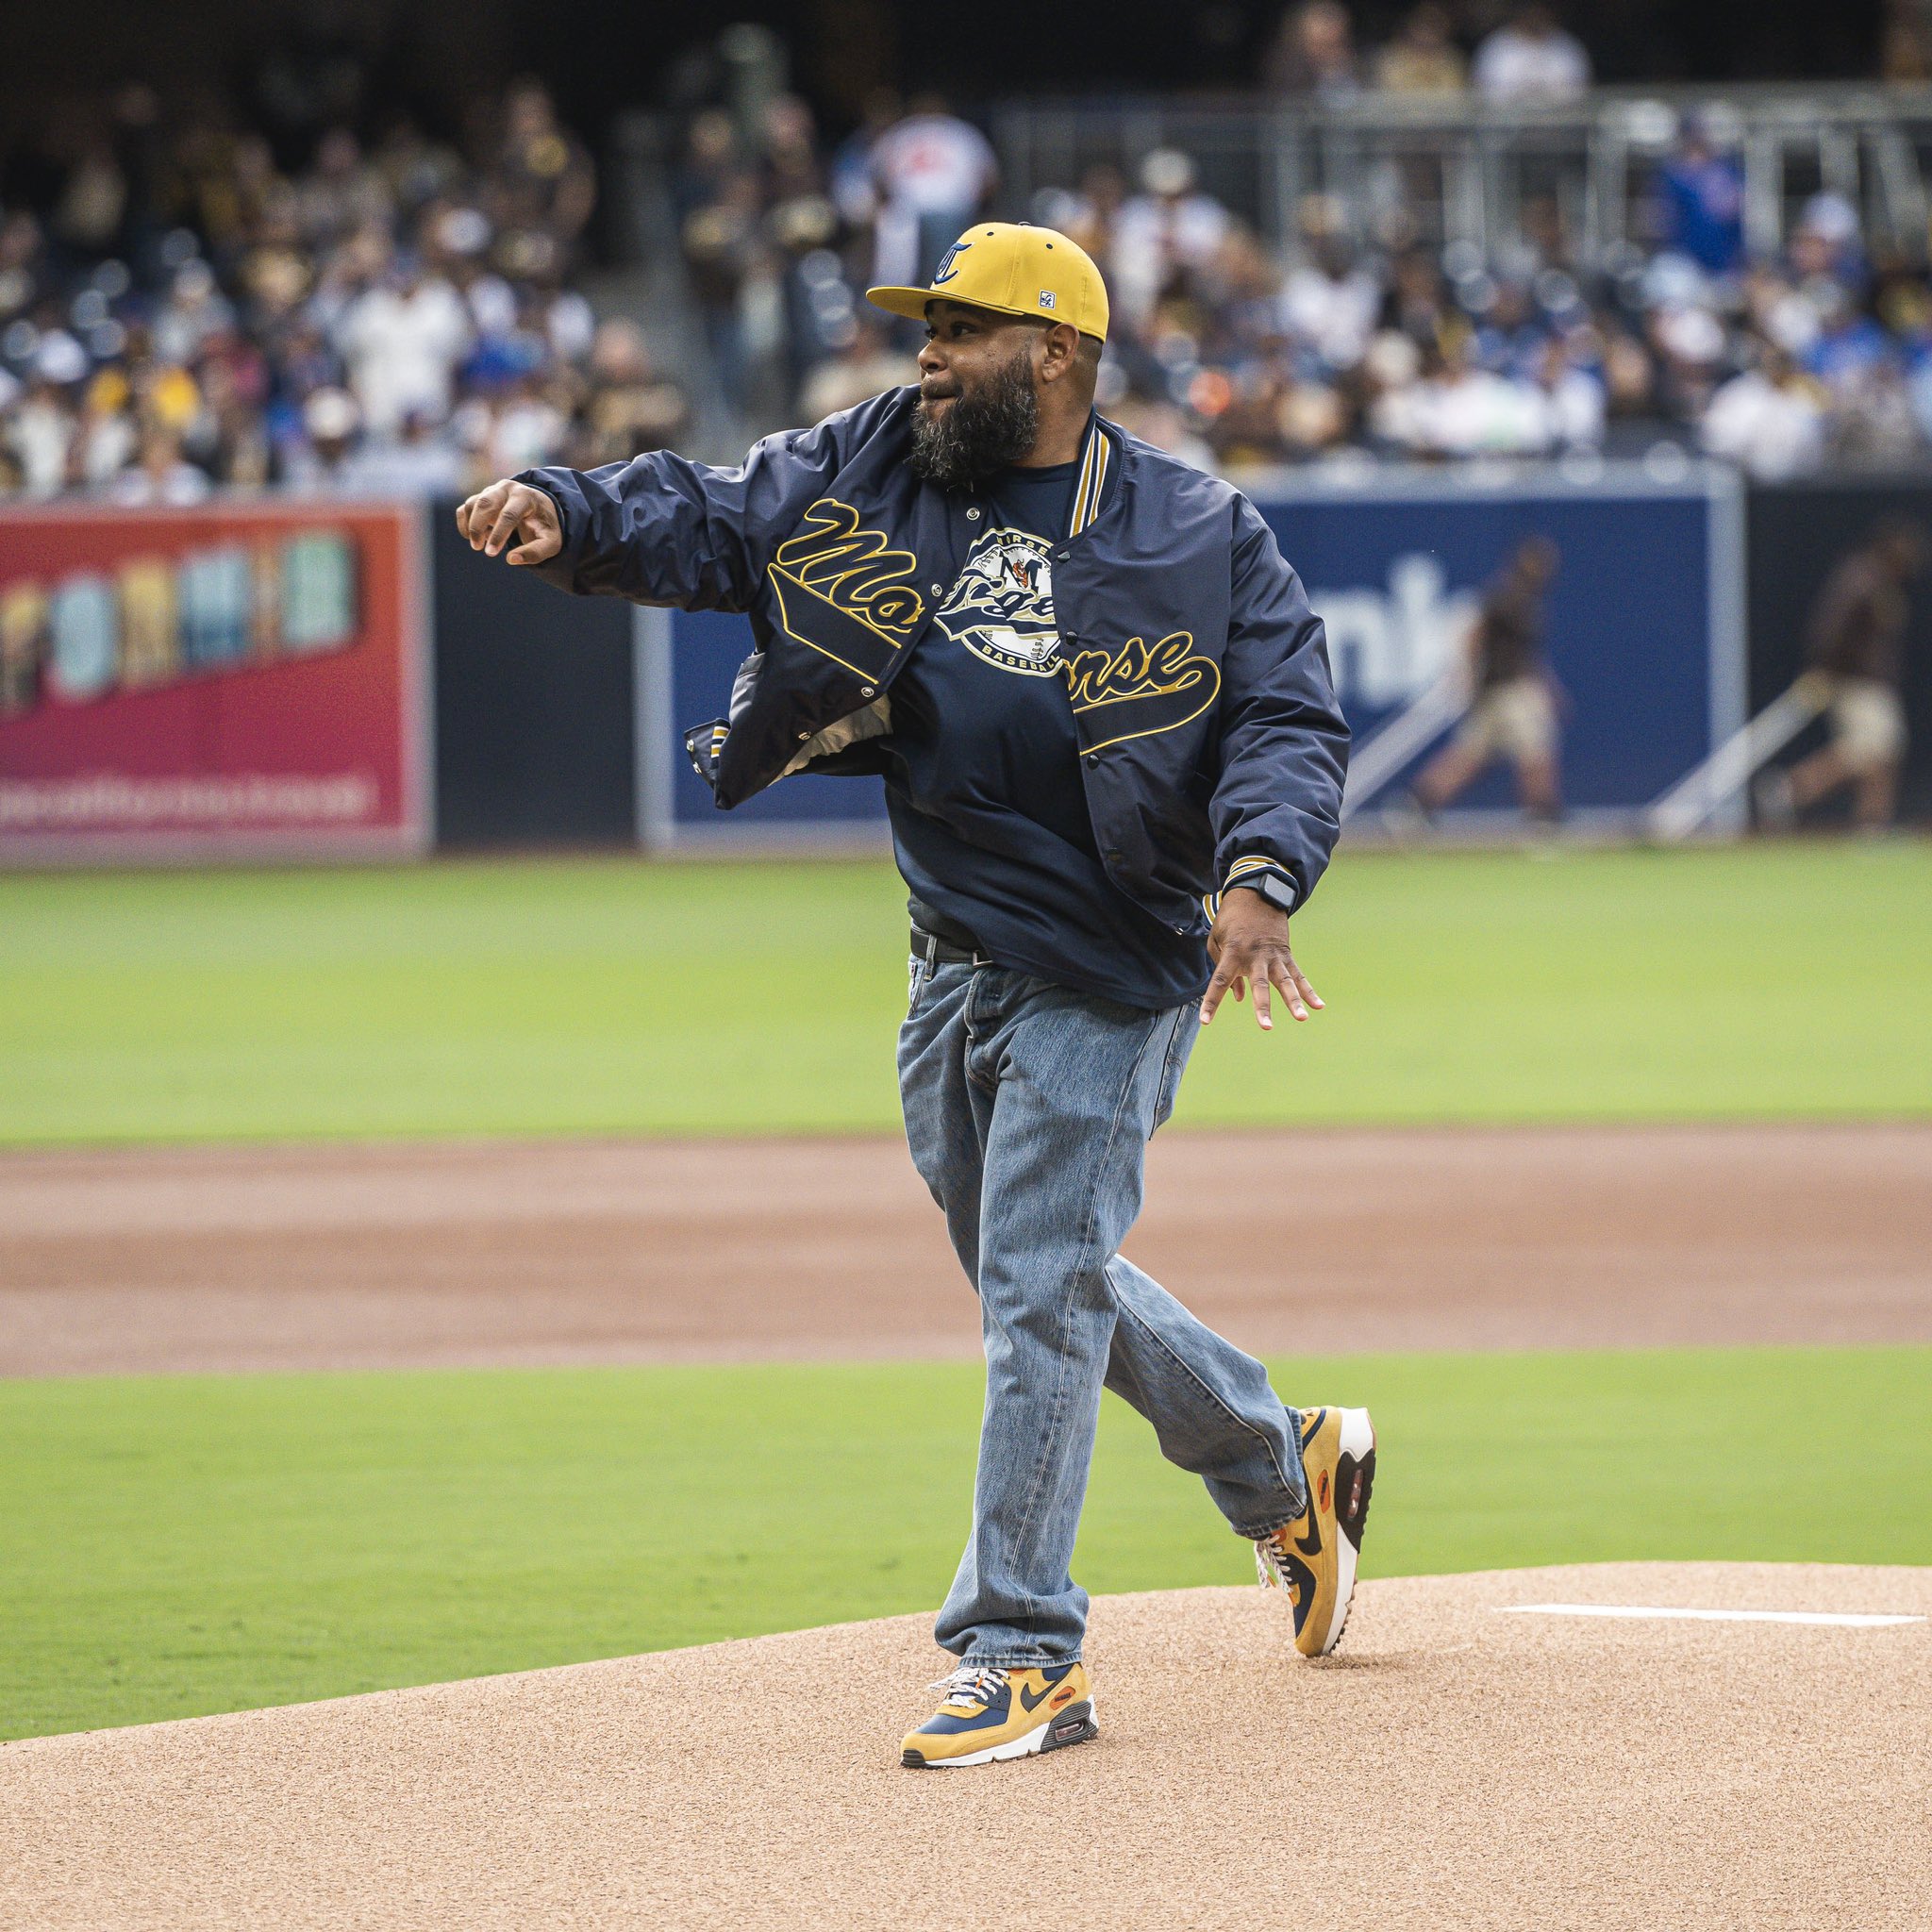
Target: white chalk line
[(1845, 1620)]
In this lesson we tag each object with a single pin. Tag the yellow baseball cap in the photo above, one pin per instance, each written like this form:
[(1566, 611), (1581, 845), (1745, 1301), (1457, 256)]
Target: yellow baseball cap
[(1015, 268)]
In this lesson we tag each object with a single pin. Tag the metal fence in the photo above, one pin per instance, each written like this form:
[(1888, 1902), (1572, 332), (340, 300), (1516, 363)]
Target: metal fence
[(1449, 169)]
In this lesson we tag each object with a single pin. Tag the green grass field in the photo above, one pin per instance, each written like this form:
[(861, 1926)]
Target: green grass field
[(194, 1544), (546, 997), (172, 1546)]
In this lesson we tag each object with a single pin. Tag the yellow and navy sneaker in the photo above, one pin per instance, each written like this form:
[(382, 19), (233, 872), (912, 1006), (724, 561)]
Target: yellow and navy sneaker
[(1313, 1559), (990, 1713)]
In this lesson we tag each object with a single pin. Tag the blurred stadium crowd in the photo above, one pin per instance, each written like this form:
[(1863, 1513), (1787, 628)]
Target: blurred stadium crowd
[(178, 314)]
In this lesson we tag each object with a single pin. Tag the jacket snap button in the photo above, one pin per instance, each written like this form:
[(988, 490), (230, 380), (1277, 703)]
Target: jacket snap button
[(972, 516), (1065, 555), (866, 691), (803, 736), (938, 590)]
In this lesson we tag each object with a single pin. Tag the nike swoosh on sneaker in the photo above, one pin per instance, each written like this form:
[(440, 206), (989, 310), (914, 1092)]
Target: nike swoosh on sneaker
[(1030, 1702)]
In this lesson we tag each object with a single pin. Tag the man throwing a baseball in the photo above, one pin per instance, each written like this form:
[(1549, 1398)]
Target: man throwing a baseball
[(1113, 761)]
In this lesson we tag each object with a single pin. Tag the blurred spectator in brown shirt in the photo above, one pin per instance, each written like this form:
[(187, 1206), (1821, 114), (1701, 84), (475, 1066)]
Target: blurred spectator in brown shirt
[(1313, 52), (865, 367), (1512, 713), (1856, 646), (544, 179), (1859, 623), (1423, 59), (629, 406)]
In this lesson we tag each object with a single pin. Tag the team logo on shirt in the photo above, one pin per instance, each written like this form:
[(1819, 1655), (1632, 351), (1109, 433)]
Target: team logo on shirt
[(1002, 608)]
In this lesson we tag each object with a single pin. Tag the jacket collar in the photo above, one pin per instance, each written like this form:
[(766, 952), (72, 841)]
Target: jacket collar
[(1099, 470)]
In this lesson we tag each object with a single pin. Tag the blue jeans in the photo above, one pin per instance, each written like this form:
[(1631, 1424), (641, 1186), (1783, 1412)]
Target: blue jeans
[(1029, 1108)]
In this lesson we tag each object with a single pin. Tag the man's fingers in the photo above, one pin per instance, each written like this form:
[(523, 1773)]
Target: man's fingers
[(1302, 986), (480, 511), (483, 508), (1259, 978), (543, 543), (492, 517), (1283, 974), (515, 507), (1210, 1000)]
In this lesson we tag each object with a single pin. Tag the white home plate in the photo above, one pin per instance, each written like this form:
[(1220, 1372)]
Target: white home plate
[(1838, 1619)]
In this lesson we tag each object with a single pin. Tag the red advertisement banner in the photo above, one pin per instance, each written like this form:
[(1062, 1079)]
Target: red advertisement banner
[(228, 680)]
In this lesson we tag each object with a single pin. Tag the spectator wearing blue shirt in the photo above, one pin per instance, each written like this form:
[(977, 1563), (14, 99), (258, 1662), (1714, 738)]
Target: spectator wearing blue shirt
[(1850, 346), (1699, 196), (1511, 338)]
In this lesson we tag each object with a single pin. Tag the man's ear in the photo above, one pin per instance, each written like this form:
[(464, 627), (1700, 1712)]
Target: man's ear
[(1059, 349)]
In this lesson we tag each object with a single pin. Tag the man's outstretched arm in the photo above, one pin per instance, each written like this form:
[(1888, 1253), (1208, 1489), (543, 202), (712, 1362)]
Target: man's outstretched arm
[(661, 528)]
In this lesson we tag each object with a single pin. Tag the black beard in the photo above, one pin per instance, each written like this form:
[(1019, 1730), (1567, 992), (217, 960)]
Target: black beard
[(980, 432)]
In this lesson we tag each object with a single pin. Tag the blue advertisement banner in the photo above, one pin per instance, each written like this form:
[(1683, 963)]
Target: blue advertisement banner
[(1641, 622), (1643, 628)]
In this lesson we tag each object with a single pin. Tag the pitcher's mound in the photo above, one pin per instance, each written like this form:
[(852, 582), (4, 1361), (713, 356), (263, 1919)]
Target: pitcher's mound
[(1458, 1763)]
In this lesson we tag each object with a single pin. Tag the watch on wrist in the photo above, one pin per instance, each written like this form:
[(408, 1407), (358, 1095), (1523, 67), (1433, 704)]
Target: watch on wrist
[(1274, 887)]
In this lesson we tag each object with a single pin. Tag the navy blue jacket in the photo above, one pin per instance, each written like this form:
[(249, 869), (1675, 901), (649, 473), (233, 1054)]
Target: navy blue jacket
[(1210, 741)]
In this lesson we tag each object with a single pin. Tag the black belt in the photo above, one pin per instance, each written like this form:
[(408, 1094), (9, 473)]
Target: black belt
[(937, 952)]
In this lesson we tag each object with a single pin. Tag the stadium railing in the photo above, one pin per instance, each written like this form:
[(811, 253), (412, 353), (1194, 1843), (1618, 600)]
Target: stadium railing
[(1462, 169)]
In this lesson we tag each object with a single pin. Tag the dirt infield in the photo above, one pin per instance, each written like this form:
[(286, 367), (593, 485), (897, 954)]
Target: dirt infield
[(321, 1256), (1454, 1766)]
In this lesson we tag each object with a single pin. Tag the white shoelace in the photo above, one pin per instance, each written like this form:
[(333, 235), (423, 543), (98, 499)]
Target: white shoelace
[(971, 1684)]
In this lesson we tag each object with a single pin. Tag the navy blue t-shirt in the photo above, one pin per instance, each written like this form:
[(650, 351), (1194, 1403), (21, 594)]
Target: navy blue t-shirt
[(988, 813)]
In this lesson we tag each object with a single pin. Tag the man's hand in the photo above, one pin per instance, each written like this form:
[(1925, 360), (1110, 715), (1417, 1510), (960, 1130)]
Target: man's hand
[(1249, 947), (489, 519)]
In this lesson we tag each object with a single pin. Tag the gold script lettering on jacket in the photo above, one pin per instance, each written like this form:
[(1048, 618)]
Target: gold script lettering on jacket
[(855, 570), (1138, 671)]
